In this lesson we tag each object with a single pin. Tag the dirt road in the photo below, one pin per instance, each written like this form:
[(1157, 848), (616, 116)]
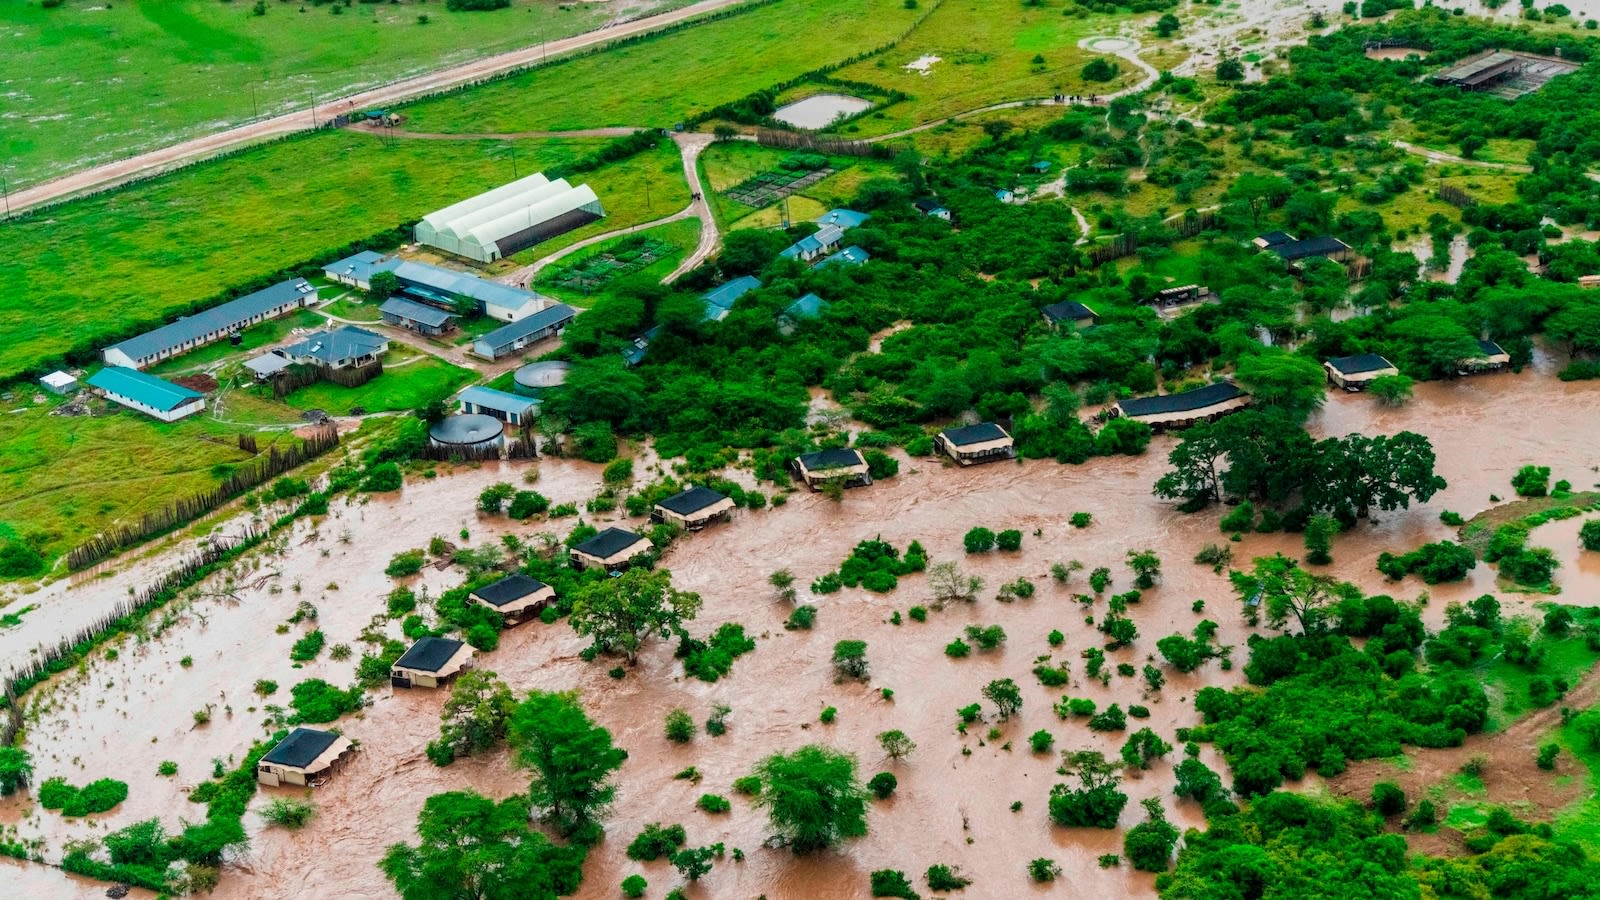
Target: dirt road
[(158, 161)]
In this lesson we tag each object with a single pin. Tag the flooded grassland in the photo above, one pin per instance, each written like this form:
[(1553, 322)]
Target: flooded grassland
[(122, 717)]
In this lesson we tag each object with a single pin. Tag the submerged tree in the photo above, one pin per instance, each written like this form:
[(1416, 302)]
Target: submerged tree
[(620, 614), (813, 798), (571, 757), (475, 848), (1282, 589), (475, 718)]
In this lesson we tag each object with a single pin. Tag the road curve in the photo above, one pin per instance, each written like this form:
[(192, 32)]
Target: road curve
[(155, 162)]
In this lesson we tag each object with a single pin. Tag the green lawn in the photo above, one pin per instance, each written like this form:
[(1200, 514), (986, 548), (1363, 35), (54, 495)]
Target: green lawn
[(253, 338), (404, 385), (354, 309), (105, 80), (162, 245), (1507, 684), (682, 235), (985, 58), (663, 80), (64, 478)]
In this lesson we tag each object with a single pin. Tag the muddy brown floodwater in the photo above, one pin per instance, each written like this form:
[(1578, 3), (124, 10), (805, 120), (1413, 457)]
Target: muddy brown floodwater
[(123, 717)]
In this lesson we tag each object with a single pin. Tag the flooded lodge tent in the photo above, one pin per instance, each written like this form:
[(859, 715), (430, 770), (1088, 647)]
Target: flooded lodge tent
[(1491, 358), (516, 597), (844, 463), (969, 444), (611, 549), (693, 509), (306, 757), (431, 662), (1354, 373), (1206, 404)]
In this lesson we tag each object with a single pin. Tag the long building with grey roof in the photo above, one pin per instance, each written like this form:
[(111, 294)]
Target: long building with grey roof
[(210, 325)]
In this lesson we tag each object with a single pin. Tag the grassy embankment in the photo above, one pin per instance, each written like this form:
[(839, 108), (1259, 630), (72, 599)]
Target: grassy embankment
[(194, 66)]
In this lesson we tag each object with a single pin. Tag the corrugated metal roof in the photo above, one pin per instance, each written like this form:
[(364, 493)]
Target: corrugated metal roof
[(301, 748), (361, 266), (808, 307), (147, 389), (498, 400), (505, 335), (844, 218), (849, 256), (449, 281), (416, 312), (337, 344), (223, 317), (610, 542), (724, 295)]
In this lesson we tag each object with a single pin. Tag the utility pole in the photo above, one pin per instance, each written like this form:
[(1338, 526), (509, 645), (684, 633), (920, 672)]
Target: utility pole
[(313, 107), (255, 112), (514, 175), (5, 189)]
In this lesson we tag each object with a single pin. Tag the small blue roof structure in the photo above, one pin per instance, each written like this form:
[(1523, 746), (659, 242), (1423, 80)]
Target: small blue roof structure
[(849, 256), (501, 340), (846, 219), (431, 316), (360, 267), (1004, 196), (812, 244), (490, 398), (435, 284), (1041, 166), (719, 300), (141, 388), (808, 307), (336, 345)]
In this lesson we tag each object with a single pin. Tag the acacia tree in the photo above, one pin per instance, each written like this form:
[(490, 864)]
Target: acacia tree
[(1146, 566), (1291, 386), (1005, 695), (571, 757), (949, 583), (1280, 587), (475, 718), (1096, 802), (813, 798), (1196, 476), (897, 745), (619, 614), (1357, 473), (475, 849)]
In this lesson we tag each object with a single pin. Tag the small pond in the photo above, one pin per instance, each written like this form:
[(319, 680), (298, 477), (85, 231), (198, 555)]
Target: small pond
[(820, 110)]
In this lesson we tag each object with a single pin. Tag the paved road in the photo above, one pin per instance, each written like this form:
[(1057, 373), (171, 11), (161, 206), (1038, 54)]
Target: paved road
[(157, 161)]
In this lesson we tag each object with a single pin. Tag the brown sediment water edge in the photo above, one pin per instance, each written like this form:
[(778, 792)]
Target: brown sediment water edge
[(123, 717)]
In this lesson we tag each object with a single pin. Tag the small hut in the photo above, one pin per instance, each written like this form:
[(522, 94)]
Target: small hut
[(611, 549), (517, 597), (1354, 373), (430, 663), (844, 463), (1206, 404), (693, 509), (1490, 358), (984, 442), (59, 382), (1069, 314), (306, 758)]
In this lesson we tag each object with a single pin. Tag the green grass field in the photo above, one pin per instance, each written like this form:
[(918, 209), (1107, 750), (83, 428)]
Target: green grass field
[(682, 236), (665, 80), (985, 58), (106, 80), (65, 478), (408, 381), (157, 247)]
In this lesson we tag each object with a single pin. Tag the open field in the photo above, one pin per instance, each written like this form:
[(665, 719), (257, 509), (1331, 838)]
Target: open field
[(681, 236), (409, 380), (664, 80), (65, 478), (984, 59), (98, 82), (157, 247)]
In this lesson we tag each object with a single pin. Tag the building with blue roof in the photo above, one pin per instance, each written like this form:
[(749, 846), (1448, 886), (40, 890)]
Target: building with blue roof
[(146, 393), (849, 256), (524, 333), (357, 269), (419, 317), (210, 325), (825, 240), (513, 409), (719, 300), (337, 348), (845, 219), (441, 287), (808, 307)]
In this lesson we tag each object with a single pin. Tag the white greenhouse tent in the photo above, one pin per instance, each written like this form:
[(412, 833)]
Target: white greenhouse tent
[(509, 218)]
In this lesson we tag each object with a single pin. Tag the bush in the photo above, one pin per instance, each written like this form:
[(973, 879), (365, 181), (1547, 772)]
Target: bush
[(1009, 540), (892, 883), (828, 715), (634, 886), (1531, 481), (802, 618), (881, 465), (1388, 799), (850, 659), (18, 560), (404, 563), (922, 445), (749, 785), (1111, 719), (382, 478), (957, 649), (167, 769), (307, 648), (946, 878), (1240, 518), (1041, 741), (714, 803), (94, 797), (1043, 870), (883, 784), (618, 473), (656, 841), (288, 813), (1547, 756), (680, 728), (1589, 535), (1442, 561), (1081, 519), (526, 504), (979, 540), (918, 613)]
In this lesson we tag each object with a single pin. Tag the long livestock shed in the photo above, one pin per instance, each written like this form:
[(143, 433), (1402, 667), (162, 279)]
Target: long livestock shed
[(509, 218), (210, 325)]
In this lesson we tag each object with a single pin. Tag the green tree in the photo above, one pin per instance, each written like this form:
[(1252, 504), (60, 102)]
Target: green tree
[(620, 614), (383, 285), (979, 540), (1099, 69), (1391, 390), (571, 759), (1290, 385), (1357, 473), (1146, 566), (1142, 747), (1282, 589), (1005, 695), (16, 768), (1148, 845), (693, 863), (850, 659), (813, 798), (492, 499), (1230, 69), (1320, 530), (1197, 466), (476, 716), (1167, 25), (1095, 802), (1531, 481), (475, 848), (1589, 535), (897, 745), (1256, 191)]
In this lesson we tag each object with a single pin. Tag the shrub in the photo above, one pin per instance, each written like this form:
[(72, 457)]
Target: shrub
[(1149, 844), (493, 498), (406, 562), (828, 715), (618, 473), (979, 540), (749, 785), (95, 797), (286, 812), (918, 613), (883, 784), (656, 841), (881, 465), (1055, 638), (986, 638), (1240, 518), (1051, 676), (634, 886), (1111, 719), (802, 618), (1081, 519), (1009, 540), (1388, 799), (946, 878), (1423, 815), (526, 504), (307, 648), (1589, 535), (1043, 870), (850, 659), (957, 649), (16, 767), (1531, 481), (382, 478), (714, 803), (892, 883), (167, 769), (1041, 741), (1547, 756), (1438, 562), (680, 727)]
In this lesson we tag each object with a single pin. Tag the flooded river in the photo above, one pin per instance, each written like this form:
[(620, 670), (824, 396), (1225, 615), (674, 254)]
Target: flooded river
[(123, 717)]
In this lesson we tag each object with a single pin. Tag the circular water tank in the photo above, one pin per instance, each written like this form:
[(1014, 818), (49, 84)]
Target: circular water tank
[(536, 378), (467, 431)]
